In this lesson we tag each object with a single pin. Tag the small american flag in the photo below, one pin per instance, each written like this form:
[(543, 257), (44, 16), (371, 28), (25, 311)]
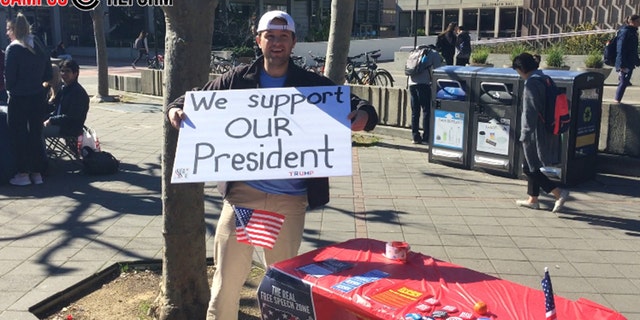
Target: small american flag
[(550, 304), (257, 227)]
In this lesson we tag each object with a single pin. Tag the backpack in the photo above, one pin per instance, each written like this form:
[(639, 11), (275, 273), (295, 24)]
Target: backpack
[(99, 162), (417, 61), (556, 117), (610, 51)]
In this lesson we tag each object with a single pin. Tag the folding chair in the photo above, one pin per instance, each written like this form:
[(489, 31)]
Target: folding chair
[(60, 147)]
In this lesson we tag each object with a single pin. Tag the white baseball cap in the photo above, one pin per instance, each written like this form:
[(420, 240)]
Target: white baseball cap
[(267, 18)]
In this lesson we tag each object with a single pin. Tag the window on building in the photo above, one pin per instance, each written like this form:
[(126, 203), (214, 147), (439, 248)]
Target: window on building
[(435, 22), (508, 18), (470, 19), (487, 23)]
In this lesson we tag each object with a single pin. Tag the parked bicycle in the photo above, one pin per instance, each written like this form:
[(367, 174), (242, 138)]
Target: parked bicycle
[(155, 62), (318, 66), (220, 65), (367, 72), (300, 61)]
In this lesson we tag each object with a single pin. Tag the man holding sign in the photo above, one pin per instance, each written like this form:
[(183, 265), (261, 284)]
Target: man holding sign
[(285, 197)]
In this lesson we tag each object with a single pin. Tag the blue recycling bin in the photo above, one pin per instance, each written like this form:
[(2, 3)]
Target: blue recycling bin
[(452, 91)]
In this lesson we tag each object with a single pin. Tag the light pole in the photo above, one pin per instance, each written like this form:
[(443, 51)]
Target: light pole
[(415, 26)]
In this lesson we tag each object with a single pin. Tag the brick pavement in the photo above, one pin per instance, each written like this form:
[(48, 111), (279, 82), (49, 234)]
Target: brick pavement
[(59, 233)]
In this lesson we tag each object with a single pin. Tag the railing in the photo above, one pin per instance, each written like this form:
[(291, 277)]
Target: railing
[(542, 37)]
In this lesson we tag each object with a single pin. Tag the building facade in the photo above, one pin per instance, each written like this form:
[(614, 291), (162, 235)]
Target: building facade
[(508, 18), (484, 19)]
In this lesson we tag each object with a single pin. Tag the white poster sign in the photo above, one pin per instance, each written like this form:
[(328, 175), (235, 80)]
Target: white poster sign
[(493, 137), (449, 129), (259, 134)]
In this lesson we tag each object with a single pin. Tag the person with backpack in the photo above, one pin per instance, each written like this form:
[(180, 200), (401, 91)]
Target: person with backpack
[(626, 54), (141, 45), (463, 46), (27, 66), (446, 43), (540, 146), (420, 89)]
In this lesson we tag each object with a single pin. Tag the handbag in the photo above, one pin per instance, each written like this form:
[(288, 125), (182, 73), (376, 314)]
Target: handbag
[(89, 138), (99, 162)]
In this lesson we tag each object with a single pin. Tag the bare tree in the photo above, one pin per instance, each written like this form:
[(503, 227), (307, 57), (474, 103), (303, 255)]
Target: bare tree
[(339, 39), (97, 15), (185, 291)]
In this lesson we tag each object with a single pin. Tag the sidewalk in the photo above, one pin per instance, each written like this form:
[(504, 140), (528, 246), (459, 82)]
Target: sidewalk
[(73, 226)]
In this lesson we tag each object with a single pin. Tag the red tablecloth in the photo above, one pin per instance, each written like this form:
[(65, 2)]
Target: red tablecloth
[(370, 286)]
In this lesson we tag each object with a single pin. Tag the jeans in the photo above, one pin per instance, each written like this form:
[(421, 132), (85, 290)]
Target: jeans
[(623, 82), (420, 101)]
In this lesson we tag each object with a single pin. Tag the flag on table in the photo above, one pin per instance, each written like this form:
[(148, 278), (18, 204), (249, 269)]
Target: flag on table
[(257, 227), (550, 304)]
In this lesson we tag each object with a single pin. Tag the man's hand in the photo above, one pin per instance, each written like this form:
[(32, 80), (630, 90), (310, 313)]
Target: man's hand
[(46, 123), (358, 119), (176, 115)]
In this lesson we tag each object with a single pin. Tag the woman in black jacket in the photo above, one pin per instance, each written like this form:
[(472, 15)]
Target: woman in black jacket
[(446, 43), (27, 66)]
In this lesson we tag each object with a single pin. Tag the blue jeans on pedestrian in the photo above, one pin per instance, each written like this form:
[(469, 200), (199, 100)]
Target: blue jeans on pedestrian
[(624, 78), (420, 102)]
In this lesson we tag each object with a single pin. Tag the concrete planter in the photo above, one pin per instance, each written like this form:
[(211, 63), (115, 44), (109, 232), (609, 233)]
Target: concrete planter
[(604, 71)]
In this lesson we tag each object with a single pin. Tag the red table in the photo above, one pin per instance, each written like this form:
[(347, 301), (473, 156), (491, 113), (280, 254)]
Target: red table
[(354, 280)]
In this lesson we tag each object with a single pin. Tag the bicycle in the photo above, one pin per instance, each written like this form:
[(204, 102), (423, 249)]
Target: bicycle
[(156, 62), (318, 67), (367, 72), (220, 65), (299, 61)]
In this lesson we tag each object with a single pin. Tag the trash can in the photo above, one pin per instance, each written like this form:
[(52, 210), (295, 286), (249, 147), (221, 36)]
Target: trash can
[(452, 92), (496, 122), (580, 143)]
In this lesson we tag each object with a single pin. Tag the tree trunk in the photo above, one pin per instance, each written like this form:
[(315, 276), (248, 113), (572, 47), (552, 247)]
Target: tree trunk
[(184, 291), (97, 16), (339, 39)]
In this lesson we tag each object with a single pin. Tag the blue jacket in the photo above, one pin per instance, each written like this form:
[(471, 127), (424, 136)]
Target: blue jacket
[(25, 71), (627, 48)]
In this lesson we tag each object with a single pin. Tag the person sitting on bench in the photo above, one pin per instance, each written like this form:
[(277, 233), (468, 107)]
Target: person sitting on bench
[(70, 105)]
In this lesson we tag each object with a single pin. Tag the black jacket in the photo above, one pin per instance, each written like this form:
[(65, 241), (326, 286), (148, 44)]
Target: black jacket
[(73, 101), (247, 77), (627, 48)]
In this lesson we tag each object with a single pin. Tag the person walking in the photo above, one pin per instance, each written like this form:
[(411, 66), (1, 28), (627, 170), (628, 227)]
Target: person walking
[(626, 54), (446, 43), (276, 38), (463, 46), (420, 90), (142, 46), (27, 66), (540, 147)]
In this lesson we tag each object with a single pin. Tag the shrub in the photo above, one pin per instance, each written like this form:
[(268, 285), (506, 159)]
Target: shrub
[(594, 60), (517, 49), (242, 51), (479, 55), (585, 44), (555, 57)]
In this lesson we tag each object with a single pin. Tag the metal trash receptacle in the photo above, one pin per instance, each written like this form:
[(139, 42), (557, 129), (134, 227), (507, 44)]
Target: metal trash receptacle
[(579, 145), (452, 92), (496, 122)]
